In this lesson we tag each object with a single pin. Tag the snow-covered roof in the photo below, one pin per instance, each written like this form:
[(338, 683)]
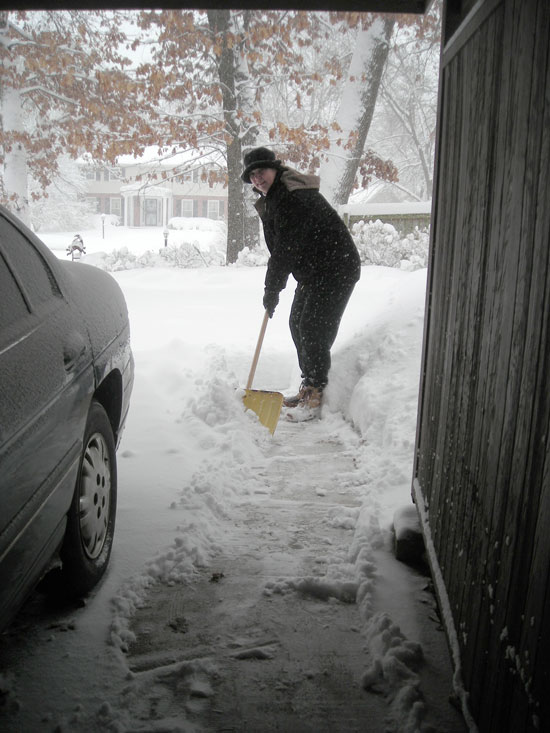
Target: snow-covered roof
[(386, 195), (149, 189), (383, 191), (155, 156), (377, 209)]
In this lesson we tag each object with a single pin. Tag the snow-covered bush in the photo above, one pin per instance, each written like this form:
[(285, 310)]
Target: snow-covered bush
[(192, 254), (256, 257), (381, 244), (184, 252), (120, 259), (147, 259)]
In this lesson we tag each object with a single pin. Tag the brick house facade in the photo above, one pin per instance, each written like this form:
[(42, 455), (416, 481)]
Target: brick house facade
[(139, 195)]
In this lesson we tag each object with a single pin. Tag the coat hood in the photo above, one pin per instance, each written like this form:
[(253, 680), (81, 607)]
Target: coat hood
[(293, 179)]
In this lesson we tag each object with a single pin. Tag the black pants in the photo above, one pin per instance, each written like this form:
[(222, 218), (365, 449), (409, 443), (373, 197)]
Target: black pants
[(315, 317)]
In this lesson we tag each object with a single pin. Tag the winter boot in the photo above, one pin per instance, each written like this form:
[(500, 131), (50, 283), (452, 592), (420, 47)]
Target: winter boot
[(295, 399), (309, 407)]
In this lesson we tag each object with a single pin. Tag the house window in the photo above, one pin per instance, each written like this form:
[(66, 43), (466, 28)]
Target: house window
[(213, 209), (90, 174), (191, 176), (95, 203), (187, 207), (116, 206)]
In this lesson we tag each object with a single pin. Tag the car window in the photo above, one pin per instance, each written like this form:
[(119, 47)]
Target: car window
[(30, 268), (13, 306)]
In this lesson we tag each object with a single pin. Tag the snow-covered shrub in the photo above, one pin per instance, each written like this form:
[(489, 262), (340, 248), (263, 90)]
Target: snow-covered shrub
[(381, 244), (147, 259), (191, 254), (256, 257), (184, 255), (182, 251), (120, 259)]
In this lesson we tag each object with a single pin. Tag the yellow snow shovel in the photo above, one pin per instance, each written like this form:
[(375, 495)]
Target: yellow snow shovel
[(266, 405)]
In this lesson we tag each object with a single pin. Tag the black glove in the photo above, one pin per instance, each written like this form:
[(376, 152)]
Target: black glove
[(270, 302)]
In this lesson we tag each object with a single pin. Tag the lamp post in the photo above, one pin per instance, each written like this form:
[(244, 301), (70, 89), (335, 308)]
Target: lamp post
[(103, 226), (165, 232)]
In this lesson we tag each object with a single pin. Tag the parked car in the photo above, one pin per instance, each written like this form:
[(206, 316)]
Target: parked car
[(66, 376)]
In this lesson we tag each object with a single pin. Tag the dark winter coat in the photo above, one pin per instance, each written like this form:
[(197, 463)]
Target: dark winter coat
[(305, 236)]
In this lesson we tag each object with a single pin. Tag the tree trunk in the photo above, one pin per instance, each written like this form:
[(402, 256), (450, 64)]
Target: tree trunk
[(246, 101), (242, 229), (219, 21), (235, 202), (356, 109)]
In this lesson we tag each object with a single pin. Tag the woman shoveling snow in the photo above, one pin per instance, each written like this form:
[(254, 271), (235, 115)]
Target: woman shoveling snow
[(306, 238)]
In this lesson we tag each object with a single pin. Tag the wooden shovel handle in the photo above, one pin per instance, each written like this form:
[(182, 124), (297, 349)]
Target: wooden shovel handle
[(257, 352)]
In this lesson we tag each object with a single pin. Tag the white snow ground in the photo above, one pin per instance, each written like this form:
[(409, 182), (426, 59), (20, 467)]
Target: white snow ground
[(252, 585)]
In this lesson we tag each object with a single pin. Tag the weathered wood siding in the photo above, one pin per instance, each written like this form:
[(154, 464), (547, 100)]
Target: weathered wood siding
[(483, 443)]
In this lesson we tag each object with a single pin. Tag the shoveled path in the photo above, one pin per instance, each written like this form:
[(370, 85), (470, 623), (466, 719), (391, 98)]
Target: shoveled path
[(256, 644)]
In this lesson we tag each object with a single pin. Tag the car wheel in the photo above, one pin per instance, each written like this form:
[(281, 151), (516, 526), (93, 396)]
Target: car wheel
[(91, 521)]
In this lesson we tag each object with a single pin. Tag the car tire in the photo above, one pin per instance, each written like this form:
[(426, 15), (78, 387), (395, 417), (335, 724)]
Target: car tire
[(89, 536)]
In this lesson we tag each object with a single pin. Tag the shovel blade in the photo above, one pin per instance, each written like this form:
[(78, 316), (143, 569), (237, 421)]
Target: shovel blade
[(266, 405)]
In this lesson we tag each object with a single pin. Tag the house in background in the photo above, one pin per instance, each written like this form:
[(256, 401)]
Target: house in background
[(382, 192), (147, 191), (390, 204)]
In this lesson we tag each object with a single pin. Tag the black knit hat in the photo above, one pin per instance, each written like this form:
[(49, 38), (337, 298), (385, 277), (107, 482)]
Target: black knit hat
[(258, 158)]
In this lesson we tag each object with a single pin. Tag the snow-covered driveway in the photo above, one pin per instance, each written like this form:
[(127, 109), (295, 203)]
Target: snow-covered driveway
[(252, 587)]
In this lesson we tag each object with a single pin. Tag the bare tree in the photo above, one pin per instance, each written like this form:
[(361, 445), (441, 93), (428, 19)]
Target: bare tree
[(405, 122)]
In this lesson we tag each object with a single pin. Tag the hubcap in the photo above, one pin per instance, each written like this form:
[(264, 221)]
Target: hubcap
[(95, 496)]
